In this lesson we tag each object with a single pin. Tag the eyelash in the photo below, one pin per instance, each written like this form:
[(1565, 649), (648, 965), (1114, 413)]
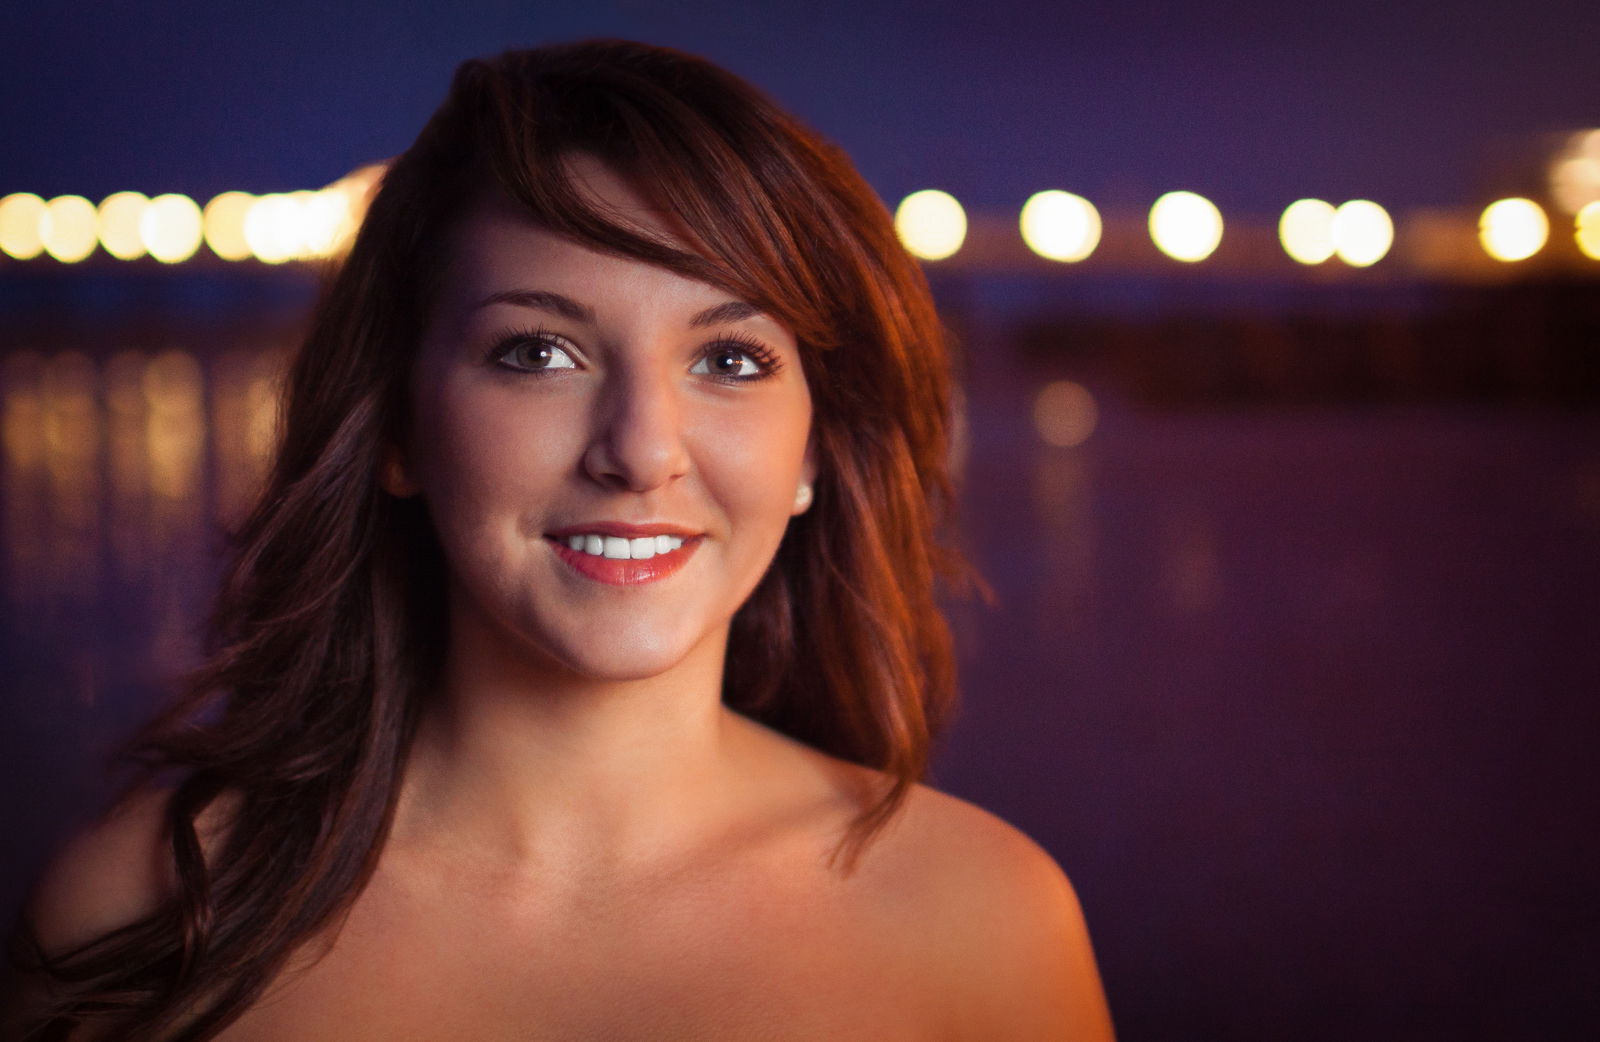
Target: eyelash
[(506, 341), (763, 356)]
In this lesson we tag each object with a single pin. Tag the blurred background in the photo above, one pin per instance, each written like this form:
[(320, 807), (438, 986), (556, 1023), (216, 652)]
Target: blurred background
[(1281, 447)]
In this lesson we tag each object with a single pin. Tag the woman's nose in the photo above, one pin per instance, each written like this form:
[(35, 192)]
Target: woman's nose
[(638, 442)]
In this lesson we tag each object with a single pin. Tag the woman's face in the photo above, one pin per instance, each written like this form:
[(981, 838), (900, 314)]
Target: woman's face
[(576, 417)]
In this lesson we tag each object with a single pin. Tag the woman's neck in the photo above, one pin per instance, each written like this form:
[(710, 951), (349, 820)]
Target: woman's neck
[(521, 762)]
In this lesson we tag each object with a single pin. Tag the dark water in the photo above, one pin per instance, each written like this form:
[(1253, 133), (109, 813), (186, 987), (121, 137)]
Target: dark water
[(1305, 702)]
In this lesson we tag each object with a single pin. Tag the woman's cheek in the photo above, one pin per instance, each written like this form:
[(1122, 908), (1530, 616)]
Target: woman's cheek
[(759, 467)]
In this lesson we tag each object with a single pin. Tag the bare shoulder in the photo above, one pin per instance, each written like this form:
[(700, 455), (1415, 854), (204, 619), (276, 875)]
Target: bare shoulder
[(114, 872), (108, 875), (978, 914), (1002, 920)]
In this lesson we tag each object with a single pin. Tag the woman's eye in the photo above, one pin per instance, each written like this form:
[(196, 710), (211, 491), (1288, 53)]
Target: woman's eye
[(534, 354), (730, 362)]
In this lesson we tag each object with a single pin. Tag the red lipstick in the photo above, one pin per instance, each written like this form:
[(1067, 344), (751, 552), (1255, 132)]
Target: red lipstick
[(624, 571), (622, 530)]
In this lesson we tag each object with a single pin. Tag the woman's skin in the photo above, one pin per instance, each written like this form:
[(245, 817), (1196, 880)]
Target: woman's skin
[(588, 844)]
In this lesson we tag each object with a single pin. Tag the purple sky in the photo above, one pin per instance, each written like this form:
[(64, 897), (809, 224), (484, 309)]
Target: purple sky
[(1251, 102)]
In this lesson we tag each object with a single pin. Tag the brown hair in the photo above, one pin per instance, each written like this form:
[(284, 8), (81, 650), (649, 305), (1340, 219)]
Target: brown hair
[(326, 624)]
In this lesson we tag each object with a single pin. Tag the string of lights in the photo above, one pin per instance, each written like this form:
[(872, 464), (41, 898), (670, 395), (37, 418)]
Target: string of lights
[(1058, 226)]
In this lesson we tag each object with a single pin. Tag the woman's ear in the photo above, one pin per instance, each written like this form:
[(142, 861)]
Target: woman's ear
[(805, 493), (396, 476)]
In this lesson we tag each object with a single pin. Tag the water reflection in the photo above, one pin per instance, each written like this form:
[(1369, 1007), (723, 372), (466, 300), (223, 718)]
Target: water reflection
[(128, 465), (245, 424), (109, 471), (1191, 571), (26, 507), (175, 433), (53, 440), (1064, 504)]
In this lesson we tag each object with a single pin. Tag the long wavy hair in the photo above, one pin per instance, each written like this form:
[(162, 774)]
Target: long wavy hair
[(327, 629)]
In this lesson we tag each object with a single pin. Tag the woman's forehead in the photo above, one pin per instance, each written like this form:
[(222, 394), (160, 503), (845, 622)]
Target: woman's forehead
[(502, 257), (502, 250)]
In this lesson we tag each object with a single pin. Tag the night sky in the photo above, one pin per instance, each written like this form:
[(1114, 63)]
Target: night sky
[(1252, 103)]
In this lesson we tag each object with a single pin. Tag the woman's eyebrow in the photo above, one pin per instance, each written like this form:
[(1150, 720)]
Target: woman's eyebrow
[(732, 311), (566, 307), (541, 300)]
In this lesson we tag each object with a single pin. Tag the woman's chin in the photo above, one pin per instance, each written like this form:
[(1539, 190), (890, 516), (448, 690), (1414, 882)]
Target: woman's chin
[(635, 655)]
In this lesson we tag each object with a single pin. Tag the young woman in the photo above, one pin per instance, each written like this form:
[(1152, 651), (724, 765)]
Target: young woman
[(577, 668)]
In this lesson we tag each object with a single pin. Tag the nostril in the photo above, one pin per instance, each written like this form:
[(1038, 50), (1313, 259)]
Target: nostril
[(640, 446)]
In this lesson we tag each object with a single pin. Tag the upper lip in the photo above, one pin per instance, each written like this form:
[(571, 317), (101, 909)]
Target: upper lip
[(622, 530)]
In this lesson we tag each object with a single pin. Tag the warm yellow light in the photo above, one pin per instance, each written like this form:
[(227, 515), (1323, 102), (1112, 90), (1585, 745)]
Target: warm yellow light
[(274, 228), (326, 216), (1065, 414), (174, 392), (1362, 232), (118, 218), (356, 188), (1185, 226), (1587, 230), (309, 223), (931, 224), (21, 213), (1306, 231), (1060, 226), (360, 184), (1513, 229), (1574, 172), (1575, 182), (171, 228), (223, 225), (67, 228)]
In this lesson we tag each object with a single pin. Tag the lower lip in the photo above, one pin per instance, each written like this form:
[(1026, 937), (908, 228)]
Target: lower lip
[(616, 572)]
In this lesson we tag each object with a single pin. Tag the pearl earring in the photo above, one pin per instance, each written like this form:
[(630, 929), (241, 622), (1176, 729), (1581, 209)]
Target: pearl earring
[(802, 496)]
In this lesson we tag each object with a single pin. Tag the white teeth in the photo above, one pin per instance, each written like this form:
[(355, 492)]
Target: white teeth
[(619, 549)]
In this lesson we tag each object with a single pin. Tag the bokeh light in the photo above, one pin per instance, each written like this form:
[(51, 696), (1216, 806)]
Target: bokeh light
[(171, 228), (1587, 230), (357, 189), (1575, 182), (1306, 231), (68, 229), (1065, 414), (118, 219), (1362, 232), (273, 227), (326, 218), (23, 427), (223, 225), (174, 392), (72, 441), (21, 213), (931, 224), (1060, 226), (1185, 226), (1513, 229), (1574, 174)]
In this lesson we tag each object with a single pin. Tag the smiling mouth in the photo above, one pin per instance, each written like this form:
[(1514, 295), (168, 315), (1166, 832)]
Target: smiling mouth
[(618, 548), (623, 560)]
